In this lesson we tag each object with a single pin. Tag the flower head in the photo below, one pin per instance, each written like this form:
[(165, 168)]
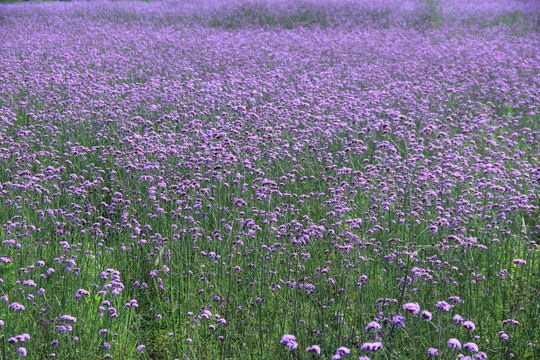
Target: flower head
[(22, 352), (412, 307), (373, 325), (68, 318), (426, 315), (342, 351), (314, 348), (471, 346), (289, 341), (454, 343), (443, 306), (371, 346)]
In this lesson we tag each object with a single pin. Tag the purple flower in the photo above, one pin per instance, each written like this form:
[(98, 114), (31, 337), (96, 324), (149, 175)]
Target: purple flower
[(371, 346), (457, 319), (433, 352), (141, 347), (289, 341), (444, 306), (426, 315), (80, 293), (467, 324), (68, 318), (364, 358), (481, 356), (341, 351), (314, 348), (398, 320), (64, 328), (412, 307), (373, 325), (471, 347), (22, 352), (16, 307), (454, 343)]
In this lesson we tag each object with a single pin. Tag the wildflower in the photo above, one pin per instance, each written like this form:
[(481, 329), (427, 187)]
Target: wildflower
[(342, 351), (373, 325), (363, 358), (64, 328), (371, 346), (188, 340), (454, 343), (426, 315), (68, 318), (471, 346), (412, 307), (289, 341), (140, 347), (22, 352), (433, 352), (467, 324), (457, 300), (16, 307), (511, 321), (80, 293), (443, 306), (520, 262), (398, 320), (457, 319), (314, 348), (481, 356)]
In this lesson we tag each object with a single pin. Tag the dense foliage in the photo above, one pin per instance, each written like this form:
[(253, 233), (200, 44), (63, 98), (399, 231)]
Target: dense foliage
[(270, 180)]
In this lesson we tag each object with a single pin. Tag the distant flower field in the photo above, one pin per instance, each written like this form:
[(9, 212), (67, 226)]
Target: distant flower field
[(270, 179)]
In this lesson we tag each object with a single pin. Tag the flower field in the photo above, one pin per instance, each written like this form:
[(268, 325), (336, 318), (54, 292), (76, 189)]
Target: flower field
[(270, 179)]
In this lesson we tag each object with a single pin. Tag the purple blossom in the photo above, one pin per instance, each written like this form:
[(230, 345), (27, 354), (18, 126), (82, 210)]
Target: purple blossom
[(289, 341), (426, 315), (68, 318), (314, 348), (454, 344), (444, 306), (22, 352), (371, 346), (467, 324), (342, 351), (471, 347), (16, 307), (373, 325), (412, 307)]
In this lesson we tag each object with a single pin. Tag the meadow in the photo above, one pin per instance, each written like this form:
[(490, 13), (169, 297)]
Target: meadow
[(268, 179)]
